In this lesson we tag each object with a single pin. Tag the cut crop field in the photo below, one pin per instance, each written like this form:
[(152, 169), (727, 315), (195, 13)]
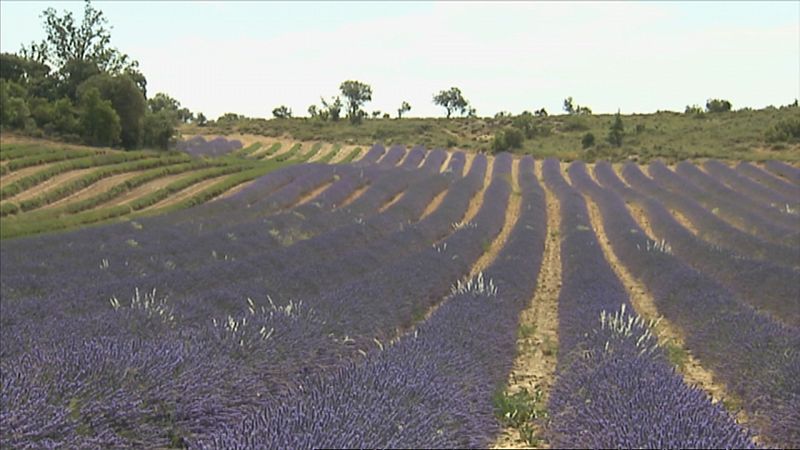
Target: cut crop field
[(396, 297)]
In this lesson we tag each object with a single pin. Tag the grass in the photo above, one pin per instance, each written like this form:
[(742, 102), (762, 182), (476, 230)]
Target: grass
[(331, 154), (520, 410), (673, 136)]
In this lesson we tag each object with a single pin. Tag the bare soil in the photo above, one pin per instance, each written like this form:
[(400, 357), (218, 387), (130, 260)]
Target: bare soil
[(313, 194), (476, 201), (353, 196), (434, 204), (537, 341)]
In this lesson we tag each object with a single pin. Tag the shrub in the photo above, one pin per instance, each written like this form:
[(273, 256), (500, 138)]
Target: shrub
[(587, 140), (784, 131), (506, 139), (616, 131)]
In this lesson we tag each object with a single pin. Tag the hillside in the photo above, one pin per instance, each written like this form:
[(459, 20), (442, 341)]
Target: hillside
[(737, 135)]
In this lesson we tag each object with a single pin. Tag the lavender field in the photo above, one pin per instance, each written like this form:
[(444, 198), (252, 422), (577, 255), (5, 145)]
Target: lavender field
[(385, 302)]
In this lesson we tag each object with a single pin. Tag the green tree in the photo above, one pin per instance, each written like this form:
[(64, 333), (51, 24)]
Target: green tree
[(356, 93), (404, 108), (282, 112), (73, 74), (715, 105), (201, 120), (616, 131), (100, 124), (312, 111), (332, 110), (572, 109), (128, 102), (452, 100), (540, 113), (65, 119), (158, 129)]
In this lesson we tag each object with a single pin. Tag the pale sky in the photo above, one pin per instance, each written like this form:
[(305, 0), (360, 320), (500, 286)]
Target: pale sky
[(249, 57)]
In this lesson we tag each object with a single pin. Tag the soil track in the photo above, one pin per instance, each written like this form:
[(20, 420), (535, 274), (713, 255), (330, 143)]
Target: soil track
[(537, 340), (51, 183)]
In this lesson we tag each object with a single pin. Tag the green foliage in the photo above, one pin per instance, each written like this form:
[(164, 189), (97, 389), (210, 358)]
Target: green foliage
[(100, 124), (16, 112), (158, 129), (451, 100), (331, 111), (201, 120), (520, 410), (571, 108), (404, 108), (128, 102), (282, 112), (715, 105), (616, 131), (507, 139), (587, 140), (356, 93), (784, 131), (351, 156), (331, 154)]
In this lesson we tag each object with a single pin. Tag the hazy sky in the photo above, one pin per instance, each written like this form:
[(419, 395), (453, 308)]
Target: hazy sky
[(249, 57)]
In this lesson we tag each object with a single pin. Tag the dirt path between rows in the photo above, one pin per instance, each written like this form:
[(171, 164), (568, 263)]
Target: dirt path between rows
[(93, 189), (434, 204), (51, 183), (670, 336), (146, 188), (22, 173), (186, 193), (537, 340)]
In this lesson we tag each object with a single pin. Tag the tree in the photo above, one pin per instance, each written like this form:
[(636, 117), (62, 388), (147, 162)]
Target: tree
[(312, 111), (158, 129), (715, 105), (128, 102), (571, 108), (201, 120), (540, 113), (356, 93), (100, 124), (452, 100), (404, 108), (616, 131), (568, 106), (65, 119), (65, 40), (333, 110), (282, 112), (376, 114)]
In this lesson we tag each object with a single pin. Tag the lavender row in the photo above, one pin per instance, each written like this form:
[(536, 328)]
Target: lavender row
[(614, 386), (432, 388), (764, 285), (755, 357), (748, 220), (709, 226), (716, 188), (784, 170), (772, 181), (752, 188)]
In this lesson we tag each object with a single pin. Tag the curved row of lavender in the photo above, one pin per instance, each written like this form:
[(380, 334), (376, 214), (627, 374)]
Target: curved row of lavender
[(763, 284), (690, 183), (713, 186), (709, 226), (771, 180), (614, 387), (757, 358), (784, 170), (199, 146), (432, 387)]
